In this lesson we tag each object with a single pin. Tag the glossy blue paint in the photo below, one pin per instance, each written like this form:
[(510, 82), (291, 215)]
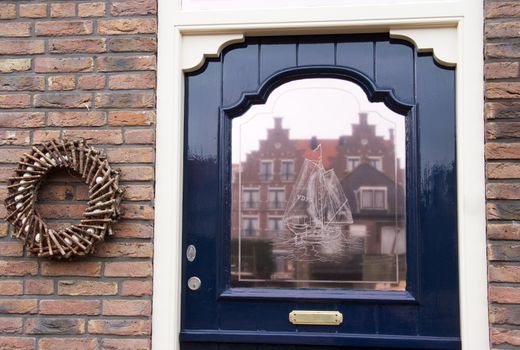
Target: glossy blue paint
[(426, 315)]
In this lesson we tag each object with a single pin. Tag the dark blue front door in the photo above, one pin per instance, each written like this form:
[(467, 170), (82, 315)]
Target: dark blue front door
[(221, 314)]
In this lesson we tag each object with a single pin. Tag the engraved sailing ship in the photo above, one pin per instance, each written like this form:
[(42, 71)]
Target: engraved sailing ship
[(317, 216)]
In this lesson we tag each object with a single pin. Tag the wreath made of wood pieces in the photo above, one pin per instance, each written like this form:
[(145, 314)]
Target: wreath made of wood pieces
[(103, 210)]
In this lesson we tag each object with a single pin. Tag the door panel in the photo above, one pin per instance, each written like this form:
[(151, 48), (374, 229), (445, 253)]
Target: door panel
[(425, 316)]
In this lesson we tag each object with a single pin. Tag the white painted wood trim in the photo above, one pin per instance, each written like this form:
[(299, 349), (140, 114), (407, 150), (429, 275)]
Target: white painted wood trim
[(197, 48), (464, 15), (442, 42)]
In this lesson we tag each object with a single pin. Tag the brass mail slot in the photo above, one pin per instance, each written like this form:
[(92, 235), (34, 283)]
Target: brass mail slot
[(317, 318)]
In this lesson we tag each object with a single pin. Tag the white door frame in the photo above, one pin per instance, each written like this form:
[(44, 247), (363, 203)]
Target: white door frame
[(451, 28)]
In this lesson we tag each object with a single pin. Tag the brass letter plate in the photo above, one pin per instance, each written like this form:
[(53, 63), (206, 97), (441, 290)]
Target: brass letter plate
[(317, 318)]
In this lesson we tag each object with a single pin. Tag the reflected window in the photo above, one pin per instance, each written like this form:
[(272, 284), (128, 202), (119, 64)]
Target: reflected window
[(250, 198), (287, 172), (274, 226), (250, 226), (352, 163), (276, 198), (373, 198), (318, 167), (266, 170), (376, 162)]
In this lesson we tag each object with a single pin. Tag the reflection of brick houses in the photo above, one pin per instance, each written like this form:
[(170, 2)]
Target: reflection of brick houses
[(364, 162)]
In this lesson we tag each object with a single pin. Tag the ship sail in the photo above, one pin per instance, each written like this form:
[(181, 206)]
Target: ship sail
[(317, 214)]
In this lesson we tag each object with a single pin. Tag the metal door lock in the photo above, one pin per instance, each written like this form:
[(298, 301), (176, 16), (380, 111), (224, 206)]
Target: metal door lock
[(194, 283), (191, 253)]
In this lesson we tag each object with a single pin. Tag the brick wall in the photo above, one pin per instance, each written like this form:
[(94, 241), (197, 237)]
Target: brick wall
[(502, 112), (79, 69)]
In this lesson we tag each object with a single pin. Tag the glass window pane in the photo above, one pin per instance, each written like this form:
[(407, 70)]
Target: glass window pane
[(322, 178)]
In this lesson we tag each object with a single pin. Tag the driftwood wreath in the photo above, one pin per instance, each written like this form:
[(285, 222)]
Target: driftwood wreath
[(103, 206)]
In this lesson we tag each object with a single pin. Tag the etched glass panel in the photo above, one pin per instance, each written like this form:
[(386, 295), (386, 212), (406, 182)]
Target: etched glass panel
[(318, 190)]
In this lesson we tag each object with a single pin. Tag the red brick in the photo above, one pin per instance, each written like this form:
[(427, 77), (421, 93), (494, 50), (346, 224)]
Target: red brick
[(130, 155), (127, 81), (17, 343), (18, 306), (65, 9), (503, 251), (45, 135), (129, 269), (61, 82), (92, 82), (504, 295), (39, 287), (133, 230), (70, 307), (62, 28), (127, 307), (502, 110), (501, 336), (8, 156), (125, 63), (125, 249), (21, 47), (84, 287), (94, 45), (15, 29), (503, 170), (33, 10), (503, 191), (7, 11), (138, 192), (509, 210), (63, 65), (10, 287), (68, 344), (136, 288), (15, 101), (134, 7), (127, 26), (3, 227), (91, 9), (11, 65), (137, 211), (501, 70), (137, 173), (22, 119), (76, 268), (120, 327), (503, 231), (54, 326), (503, 150), (96, 136), (10, 325), (18, 268), (503, 50), (503, 90), (134, 99), (22, 83), (131, 118), (11, 248), (14, 137), (504, 273), (133, 44), (64, 119), (505, 315), (63, 100), (126, 344), (55, 192), (502, 9), (509, 29), (61, 211), (502, 130)]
